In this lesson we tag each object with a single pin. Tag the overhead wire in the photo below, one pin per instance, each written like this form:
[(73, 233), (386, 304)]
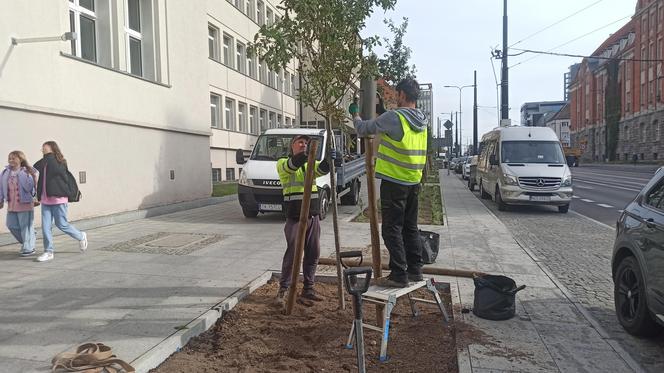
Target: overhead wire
[(571, 41), (556, 23)]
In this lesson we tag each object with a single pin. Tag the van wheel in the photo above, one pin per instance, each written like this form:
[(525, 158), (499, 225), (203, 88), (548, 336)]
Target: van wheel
[(324, 200), (353, 196), (483, 193), (249, 213), (563, 209), (499, 201)]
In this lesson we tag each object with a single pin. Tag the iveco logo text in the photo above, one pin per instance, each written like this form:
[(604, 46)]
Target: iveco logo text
[(271, 182), (540, 182)]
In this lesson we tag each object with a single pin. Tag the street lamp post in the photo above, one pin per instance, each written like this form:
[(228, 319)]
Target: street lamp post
[(460, 127)]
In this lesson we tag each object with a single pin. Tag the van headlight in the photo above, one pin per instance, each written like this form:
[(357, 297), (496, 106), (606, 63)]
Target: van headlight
[(510, 180), (567, 181), (244, 180)]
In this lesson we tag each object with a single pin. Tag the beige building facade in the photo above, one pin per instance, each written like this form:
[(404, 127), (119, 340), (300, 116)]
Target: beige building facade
[(148, 103)]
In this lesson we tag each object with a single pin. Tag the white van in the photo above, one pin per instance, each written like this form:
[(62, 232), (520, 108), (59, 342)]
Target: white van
[(259, 188), (524, 166)]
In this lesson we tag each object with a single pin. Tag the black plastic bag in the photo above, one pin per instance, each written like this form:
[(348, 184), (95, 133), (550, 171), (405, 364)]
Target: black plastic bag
[(494, 297), (430, 245)]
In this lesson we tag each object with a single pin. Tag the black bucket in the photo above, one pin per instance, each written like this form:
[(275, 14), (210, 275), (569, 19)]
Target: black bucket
[(430, 244), (494, 297)]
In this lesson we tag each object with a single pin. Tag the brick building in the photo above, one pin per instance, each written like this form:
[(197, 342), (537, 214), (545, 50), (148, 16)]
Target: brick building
[(624, 75)]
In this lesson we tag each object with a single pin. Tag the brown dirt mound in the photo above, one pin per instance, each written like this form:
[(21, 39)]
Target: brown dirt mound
[(256, 337)]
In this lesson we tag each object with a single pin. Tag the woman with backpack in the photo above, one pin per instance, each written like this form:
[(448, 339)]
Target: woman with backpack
[(53, 190)]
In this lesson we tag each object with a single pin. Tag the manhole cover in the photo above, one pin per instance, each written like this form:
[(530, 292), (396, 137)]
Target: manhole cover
[(166, 243)]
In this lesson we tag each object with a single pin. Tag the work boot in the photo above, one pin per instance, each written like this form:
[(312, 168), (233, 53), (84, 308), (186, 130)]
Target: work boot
[(280, 300), (415, 277), (311, 295), (389, 282)]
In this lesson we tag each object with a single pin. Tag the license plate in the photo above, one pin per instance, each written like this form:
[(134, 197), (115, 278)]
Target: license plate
[(540, 198), (269, 207)]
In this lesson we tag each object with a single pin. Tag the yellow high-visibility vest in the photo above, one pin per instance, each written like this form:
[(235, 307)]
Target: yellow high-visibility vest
[(292, 181), (402, 160)]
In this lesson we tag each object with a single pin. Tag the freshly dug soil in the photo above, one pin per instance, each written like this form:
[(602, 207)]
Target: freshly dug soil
[(256, 337)]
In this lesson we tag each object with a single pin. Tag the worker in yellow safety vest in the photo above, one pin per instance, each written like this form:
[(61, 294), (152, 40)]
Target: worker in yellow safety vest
[(402, 136), (291, 174)]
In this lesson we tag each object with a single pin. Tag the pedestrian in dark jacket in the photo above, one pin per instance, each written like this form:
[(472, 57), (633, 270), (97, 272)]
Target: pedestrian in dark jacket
[(17, 188), (52, 191)]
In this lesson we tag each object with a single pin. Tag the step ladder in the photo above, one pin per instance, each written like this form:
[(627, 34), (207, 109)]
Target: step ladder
[(388, 298)]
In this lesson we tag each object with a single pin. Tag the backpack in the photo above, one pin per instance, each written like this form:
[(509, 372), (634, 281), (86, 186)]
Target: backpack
[(74, 194)]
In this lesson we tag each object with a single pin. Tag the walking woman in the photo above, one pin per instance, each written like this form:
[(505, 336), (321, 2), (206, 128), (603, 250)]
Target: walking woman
[(17, 188), (52, 191)]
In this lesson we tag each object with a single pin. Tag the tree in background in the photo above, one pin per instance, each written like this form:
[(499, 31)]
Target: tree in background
[(394, 66)]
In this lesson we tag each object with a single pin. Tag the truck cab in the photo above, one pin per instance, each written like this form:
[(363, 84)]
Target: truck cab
[(259, 187)]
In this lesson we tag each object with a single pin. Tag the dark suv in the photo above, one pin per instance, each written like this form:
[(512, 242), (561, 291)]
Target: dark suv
[(638, 261)]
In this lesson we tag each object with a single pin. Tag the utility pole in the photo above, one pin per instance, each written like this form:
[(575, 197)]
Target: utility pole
[(457, 146), (475, 112), (504, 90)]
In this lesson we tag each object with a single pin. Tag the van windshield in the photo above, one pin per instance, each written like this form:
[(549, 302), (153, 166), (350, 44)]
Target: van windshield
[(273, 147), (532, 152)]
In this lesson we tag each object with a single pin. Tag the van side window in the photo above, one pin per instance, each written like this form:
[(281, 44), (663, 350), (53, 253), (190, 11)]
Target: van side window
[(655, 196)]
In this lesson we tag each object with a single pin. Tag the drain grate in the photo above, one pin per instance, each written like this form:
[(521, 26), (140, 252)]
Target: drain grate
[(165, 243)]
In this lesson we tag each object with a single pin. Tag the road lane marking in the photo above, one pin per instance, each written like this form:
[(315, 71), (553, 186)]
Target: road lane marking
[(587, 200), (583, 187), (610, 186), (604, 205), (576, 197), (613, 176)]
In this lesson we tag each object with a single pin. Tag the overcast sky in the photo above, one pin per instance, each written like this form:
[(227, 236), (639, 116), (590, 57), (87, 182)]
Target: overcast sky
[(450, 39)]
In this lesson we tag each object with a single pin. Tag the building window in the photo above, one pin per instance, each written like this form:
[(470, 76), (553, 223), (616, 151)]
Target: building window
[(657, 129), (238, 4), (644, 131), (654, 156), (249, 9), (279, 120), (261, 71), (263, 120), (213, 42), (242, 116), (293, 85), (288, 122), (251, 66), (260, 13), (240, 57), (270, 16), (287, 83), (253, 113), (216, 175), (134, 37), (272, 120), (280, 80), (228, 50), (230, 174), (229, 110), (215, 108), (83, 21), (270, 77)]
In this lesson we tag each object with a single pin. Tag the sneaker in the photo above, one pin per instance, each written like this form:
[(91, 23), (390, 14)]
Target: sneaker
[(83, 244), (27, 253), (311, 295), (415, 277), (388, 282), (48, 255)]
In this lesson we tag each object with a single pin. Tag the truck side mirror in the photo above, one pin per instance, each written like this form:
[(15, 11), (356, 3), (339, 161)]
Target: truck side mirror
[(492, 160), (239, 157)]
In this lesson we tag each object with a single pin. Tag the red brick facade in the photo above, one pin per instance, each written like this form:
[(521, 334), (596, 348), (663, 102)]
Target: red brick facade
[(639, 46)]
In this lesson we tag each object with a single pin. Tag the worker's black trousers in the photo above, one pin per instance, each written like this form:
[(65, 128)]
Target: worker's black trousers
[(399, 228)]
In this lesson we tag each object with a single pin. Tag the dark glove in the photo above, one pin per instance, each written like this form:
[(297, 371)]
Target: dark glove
[(380, 106), (298, 160), (324, 166)]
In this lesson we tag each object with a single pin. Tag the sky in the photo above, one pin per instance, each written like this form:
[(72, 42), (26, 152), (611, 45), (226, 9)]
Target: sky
[(451, 38)]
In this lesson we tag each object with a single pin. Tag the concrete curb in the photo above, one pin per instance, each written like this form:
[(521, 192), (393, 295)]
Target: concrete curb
[(128, 216), (173, 343)]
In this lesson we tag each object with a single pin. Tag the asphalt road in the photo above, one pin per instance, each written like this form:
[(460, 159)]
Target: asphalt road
[(602, 191)]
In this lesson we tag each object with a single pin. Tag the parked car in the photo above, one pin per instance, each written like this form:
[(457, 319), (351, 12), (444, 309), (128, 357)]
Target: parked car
[(638, 261), (524, 166), (465, 174), (458, 167), (452, 164)]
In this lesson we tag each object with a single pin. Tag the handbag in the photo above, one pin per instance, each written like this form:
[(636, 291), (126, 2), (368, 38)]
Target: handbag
[(74, 194)]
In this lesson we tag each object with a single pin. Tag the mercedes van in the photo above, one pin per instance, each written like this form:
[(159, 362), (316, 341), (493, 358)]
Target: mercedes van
[(524, 166)]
